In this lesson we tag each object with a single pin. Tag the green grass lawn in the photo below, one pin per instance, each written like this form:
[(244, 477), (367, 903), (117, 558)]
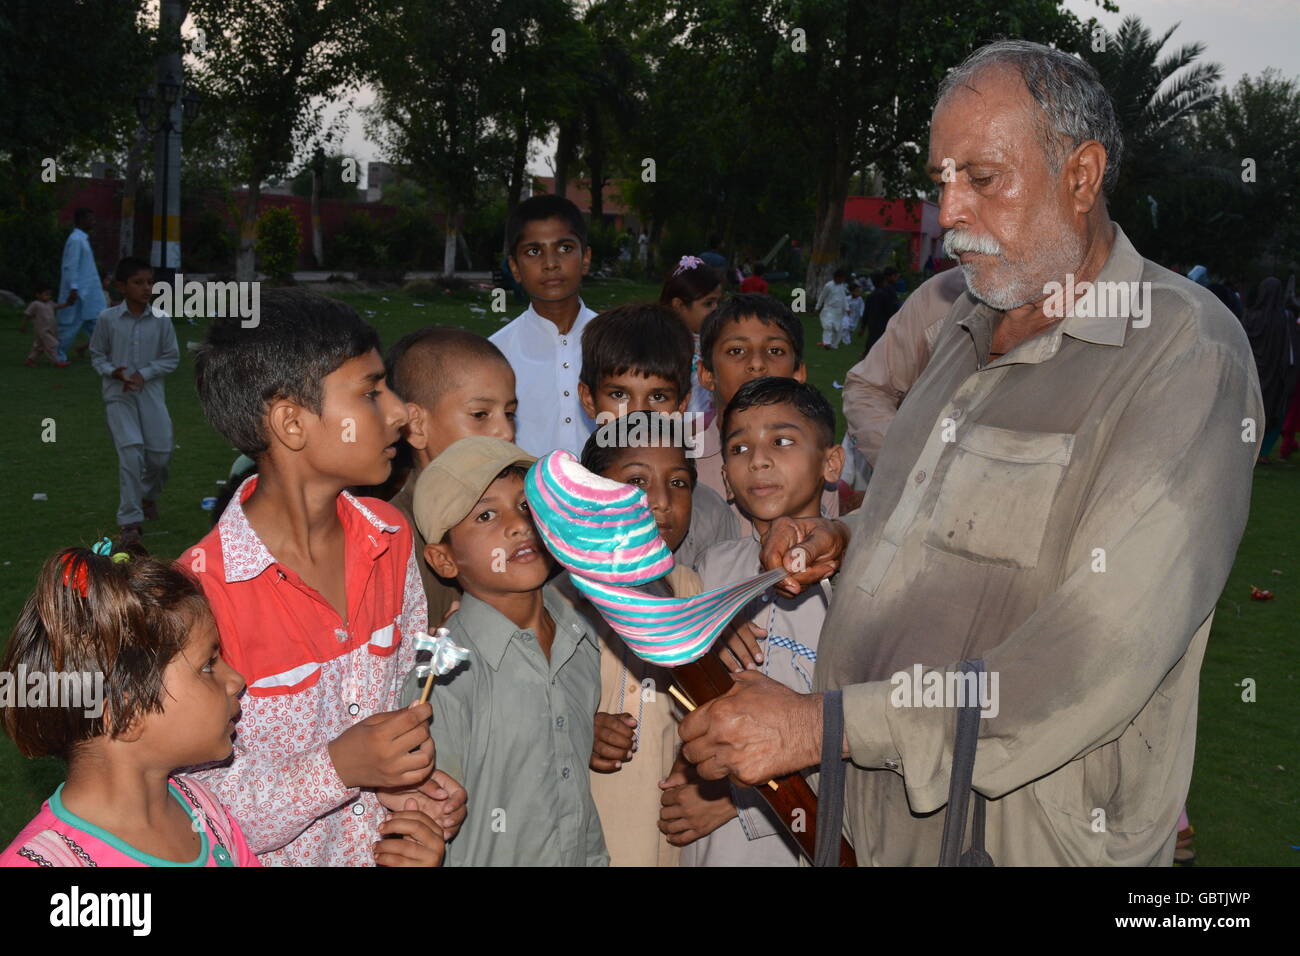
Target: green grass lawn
[(1244, 800)]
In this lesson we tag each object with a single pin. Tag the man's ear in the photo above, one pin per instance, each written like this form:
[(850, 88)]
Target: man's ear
[(286, 423), (588, 402), (1086, 167), (416, 422), (801, 373), (439, 557), (833, 464)]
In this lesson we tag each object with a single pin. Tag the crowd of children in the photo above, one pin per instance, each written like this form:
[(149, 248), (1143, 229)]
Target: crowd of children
[(267, 684)]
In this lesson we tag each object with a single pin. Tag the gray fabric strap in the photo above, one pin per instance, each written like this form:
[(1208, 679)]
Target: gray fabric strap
[(959, 786), (830, 786)]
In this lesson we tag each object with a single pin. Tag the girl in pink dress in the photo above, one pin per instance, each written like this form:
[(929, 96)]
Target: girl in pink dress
[(115, 666)]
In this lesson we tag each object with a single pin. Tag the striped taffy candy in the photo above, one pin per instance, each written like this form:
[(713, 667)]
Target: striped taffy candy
[(603, 532)]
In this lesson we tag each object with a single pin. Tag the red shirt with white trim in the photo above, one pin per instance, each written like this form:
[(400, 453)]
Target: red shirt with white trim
[(311, 675)]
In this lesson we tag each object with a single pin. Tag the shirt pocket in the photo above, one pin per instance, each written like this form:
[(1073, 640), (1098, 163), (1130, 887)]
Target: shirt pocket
[(998, 493)]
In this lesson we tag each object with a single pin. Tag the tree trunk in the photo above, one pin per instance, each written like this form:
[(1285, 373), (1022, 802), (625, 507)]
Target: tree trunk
[(317, 245), (246, 261), (564, 156), (596, 169), (517, 164), (449, 246), (832, 190)]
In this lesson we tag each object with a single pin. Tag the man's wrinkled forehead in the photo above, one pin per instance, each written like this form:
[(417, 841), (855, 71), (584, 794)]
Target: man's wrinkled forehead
[(993, 104)]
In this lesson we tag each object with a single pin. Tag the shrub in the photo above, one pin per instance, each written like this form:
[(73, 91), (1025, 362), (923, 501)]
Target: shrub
[(278, 242)]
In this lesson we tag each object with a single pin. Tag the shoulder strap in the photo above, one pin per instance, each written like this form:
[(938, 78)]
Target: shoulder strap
[(959, 785), (203, 800), (830, 782)]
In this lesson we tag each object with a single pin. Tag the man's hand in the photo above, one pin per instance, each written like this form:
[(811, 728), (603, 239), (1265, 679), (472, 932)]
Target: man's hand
[(739, 648), (72, 296), (757, 730), (441, 798), (136, 381), (612, 743), (420, 843), (392, 749), (809, 548), (691, 808)]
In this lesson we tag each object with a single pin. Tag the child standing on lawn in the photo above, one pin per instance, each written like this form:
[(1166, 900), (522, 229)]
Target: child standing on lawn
[(132, 348), (317, 595), (549, 256), (42, 311)]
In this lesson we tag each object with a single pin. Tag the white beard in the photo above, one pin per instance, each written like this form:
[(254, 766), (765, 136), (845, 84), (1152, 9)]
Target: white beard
[(1053, 260)]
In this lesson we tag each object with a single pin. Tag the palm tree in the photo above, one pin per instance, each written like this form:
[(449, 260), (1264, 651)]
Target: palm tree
[(1155, 97)]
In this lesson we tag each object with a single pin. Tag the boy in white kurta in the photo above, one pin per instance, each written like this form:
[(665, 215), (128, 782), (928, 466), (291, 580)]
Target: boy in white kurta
[(132, 348), (779, 447)]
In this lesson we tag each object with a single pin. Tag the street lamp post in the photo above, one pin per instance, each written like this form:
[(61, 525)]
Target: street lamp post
[(167, 92)]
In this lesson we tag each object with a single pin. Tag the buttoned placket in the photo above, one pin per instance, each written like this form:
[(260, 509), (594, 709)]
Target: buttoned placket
[(977, 387)]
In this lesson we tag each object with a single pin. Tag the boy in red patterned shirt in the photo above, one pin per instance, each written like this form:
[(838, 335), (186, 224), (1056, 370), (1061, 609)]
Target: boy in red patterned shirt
[(317, 596)]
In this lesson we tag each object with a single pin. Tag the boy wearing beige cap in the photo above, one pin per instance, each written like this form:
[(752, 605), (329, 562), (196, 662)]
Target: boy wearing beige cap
[(515, 722)]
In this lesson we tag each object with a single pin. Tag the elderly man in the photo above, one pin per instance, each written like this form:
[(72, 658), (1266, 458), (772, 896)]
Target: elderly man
[(1061, 497)]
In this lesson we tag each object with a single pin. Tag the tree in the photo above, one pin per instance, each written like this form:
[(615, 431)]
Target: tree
[(1156, 94), (1246, 219), (51, 122), (846, 86), (267, 68)]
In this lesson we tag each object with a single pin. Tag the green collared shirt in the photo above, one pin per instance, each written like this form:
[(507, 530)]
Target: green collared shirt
[(1068, 513), (516, 730)]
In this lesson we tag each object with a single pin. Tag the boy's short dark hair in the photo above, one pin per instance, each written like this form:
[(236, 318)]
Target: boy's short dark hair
[(746, 305), (134, 618), (548, 206), (607, 444), (645, 338), (129, 266), (422, 364), (299, 339), (840, 275), (775, 390), (80, 213)]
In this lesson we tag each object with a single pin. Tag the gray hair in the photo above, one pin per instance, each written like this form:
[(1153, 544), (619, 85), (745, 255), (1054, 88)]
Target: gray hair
[(1075, 104)]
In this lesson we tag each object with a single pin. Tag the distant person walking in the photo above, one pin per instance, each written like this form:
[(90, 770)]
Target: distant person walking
[(833, 303), (80, 285), (879, 309)]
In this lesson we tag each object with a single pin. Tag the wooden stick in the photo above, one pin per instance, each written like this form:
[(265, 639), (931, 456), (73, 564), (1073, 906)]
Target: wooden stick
[(681, 699), (428, 686)]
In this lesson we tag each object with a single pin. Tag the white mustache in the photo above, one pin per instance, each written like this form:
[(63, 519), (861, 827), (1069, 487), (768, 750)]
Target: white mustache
[(955, 242)]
